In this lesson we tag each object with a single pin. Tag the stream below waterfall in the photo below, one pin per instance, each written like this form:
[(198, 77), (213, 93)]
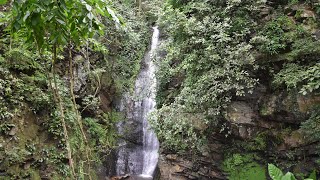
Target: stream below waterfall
[(138, 149)]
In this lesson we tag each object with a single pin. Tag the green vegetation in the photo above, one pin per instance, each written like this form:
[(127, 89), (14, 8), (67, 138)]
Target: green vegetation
[(276, 174), (244, 167), (211, 56), (56, 59), (263, 54), (63, 64), (215, 53)]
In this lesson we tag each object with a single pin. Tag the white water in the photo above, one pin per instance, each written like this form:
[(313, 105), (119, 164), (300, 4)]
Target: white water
[(150, 141), (141, 159)]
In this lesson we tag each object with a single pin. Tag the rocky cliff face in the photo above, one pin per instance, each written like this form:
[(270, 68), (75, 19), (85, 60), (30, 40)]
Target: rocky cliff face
[(265, 123)]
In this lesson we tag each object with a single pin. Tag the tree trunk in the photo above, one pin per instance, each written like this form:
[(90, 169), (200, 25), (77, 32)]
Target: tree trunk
[(78, 116), (60, 104)]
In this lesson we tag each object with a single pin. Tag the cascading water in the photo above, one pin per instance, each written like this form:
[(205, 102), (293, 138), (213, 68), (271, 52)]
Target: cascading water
[(138, 151), (150, 141)]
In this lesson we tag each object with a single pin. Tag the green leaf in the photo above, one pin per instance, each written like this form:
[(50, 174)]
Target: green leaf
[(35, 19), (90, 15), (312, 176), (288, 176), (63, 5), (274, 172), (26, 16), (73, 27), (113, 15), (16, 26), (89, 8), (2, 2), (61, 22), (100, 11)]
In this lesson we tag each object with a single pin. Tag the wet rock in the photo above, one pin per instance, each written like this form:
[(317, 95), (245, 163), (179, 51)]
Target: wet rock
[(171, 156), (133, 132), (265, 10), (120, 177), (243, 132), (316, 34), (185, 163), (307, 14), (130, 177), (215, 147), (80, 72), (13, 131), (206, 154), (240, 113), (204, 170), (26, 165), (269, 107), (194, 176), (178, 168), (281, 108), (299, 11), (305, 103), (295, 139)]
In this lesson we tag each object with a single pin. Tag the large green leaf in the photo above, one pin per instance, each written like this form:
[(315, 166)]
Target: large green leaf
[(274, 172), (288, 176)]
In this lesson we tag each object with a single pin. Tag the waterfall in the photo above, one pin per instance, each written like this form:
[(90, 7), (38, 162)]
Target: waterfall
[(138, 151), (150, 141)]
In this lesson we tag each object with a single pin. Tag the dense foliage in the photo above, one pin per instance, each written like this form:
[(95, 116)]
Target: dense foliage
[(63, 63), (208, 49), (276, 174), (220, 51), (58, 60)]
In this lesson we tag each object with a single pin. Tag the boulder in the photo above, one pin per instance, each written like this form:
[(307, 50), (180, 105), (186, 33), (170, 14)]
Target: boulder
[(285, 108), (240, 113), (295, 139), (305, 103)]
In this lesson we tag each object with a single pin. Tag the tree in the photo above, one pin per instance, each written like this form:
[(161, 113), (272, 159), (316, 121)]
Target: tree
[(51, 25)]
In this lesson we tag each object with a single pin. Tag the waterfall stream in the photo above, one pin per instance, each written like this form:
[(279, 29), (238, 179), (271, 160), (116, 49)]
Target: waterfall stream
[(138, 151)]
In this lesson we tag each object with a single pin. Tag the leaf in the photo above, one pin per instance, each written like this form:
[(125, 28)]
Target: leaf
[(313, 175), (61, 22), (100, 11), (288, 176), (73, 27), (2, 2), (113, 15), (46, 2), (16, 26), (90, 15), (274, 172), (26, 16), (35, 19), (63, 5), (89, 8)]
